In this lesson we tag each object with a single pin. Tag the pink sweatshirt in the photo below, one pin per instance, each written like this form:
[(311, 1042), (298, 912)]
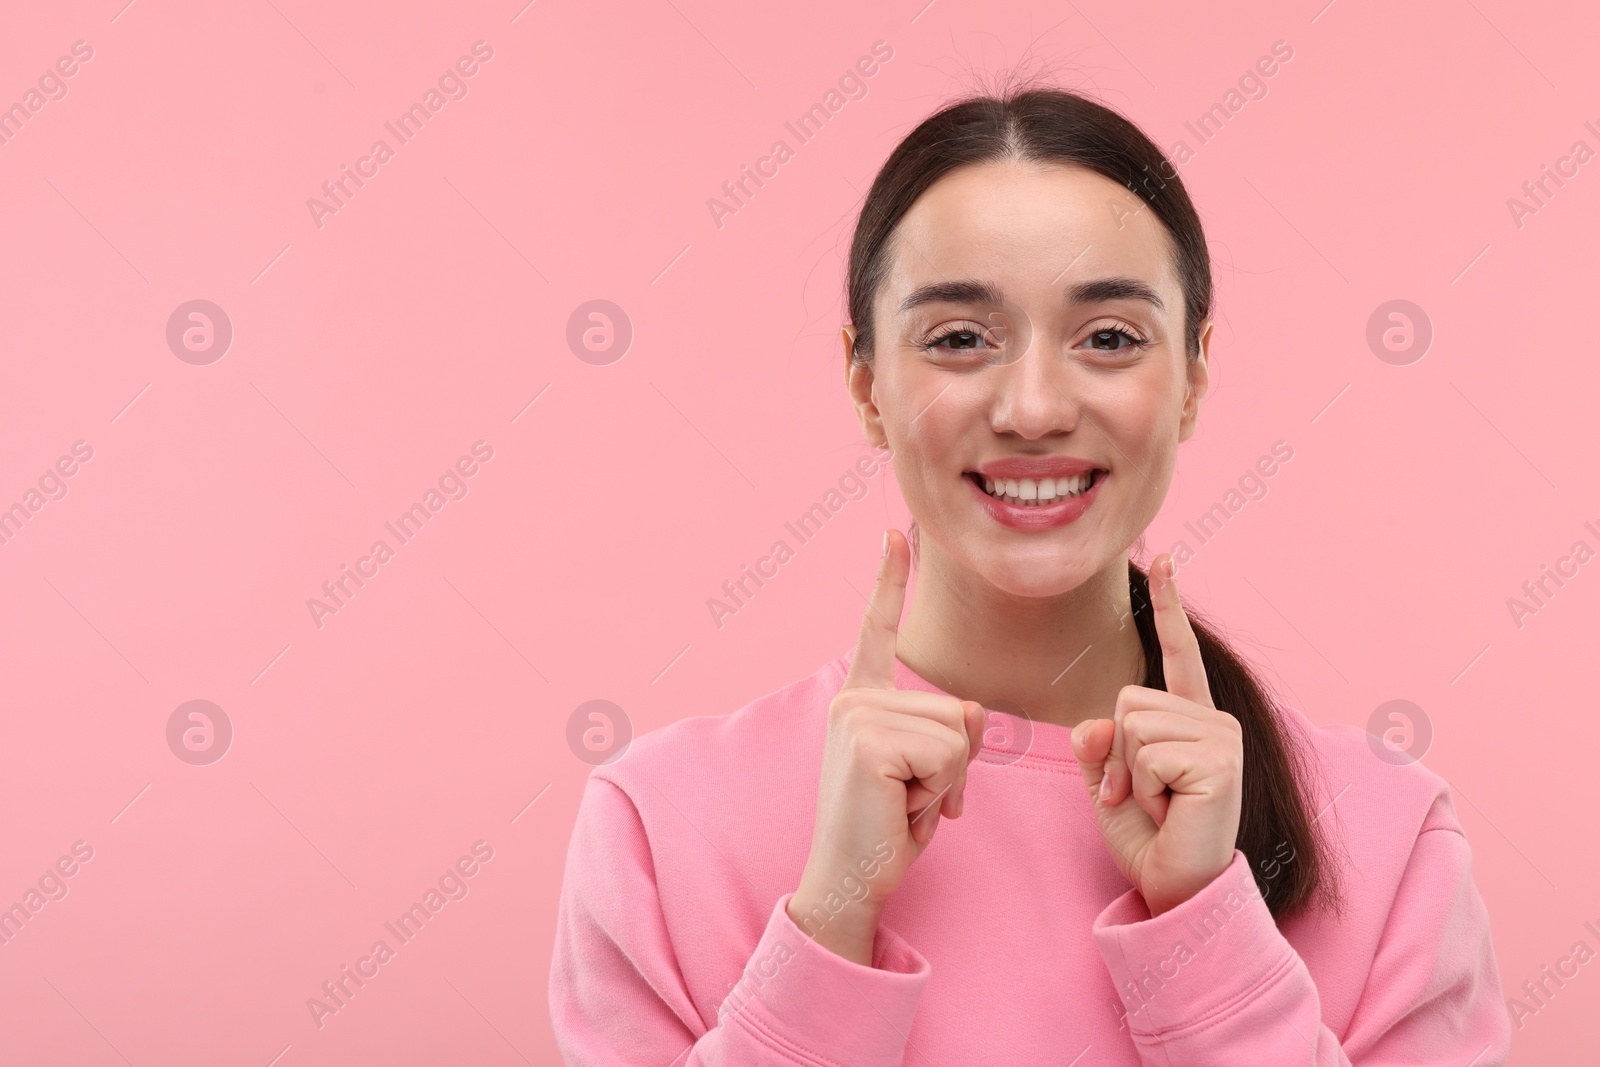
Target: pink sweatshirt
[(1013, 938)]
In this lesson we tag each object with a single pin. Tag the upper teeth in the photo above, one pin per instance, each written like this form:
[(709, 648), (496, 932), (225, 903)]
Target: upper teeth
[(1036, 490)]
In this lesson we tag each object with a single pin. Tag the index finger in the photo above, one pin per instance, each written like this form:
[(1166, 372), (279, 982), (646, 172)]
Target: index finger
[(1180, 651), (872, 666)]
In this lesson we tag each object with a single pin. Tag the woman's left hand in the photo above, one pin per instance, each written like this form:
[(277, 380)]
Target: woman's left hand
[(1171, 766)]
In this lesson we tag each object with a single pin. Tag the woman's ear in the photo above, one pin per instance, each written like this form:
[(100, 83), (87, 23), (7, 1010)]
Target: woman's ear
[(858, 379), (1199, 374)]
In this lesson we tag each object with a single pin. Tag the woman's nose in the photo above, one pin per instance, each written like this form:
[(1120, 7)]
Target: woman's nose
[(1033, 394)]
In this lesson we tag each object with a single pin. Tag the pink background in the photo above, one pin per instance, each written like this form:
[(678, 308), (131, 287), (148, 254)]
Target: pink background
[(432, 710)]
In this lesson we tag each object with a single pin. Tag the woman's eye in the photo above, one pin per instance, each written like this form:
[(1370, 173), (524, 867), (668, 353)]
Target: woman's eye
[(960, 339), (1107, 340)]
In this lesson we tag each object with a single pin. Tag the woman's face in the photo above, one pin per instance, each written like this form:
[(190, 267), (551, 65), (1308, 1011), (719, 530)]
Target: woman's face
[(1031, 322)]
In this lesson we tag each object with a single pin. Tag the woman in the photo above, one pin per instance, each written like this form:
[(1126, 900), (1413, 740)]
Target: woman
[(1161, 864)]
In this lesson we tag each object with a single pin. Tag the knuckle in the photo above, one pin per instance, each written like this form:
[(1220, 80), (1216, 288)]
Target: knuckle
[(958, 748), (868, 739), (864, 699)]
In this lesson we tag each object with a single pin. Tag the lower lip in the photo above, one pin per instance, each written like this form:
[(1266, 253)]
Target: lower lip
[(1036, 517)]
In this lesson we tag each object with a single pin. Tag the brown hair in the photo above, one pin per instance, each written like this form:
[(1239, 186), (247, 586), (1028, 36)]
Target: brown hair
[(1289, 857)]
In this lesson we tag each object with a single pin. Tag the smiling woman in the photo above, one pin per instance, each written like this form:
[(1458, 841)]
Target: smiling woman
[(1149, 873)]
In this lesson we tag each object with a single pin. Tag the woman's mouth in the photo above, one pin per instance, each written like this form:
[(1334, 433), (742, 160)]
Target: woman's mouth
[(1036, 492), (1036, 504)]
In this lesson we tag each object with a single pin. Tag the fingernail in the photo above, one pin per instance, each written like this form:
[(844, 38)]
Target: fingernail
[(886, 542), (1105, 787)]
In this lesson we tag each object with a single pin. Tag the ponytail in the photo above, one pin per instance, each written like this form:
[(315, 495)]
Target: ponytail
[(1288, 853)]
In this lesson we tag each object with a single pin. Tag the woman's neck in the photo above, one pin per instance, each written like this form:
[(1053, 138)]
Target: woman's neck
[(1057, 659)]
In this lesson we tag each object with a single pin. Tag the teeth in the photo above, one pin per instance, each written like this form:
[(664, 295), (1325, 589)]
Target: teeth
[(1033, 492)]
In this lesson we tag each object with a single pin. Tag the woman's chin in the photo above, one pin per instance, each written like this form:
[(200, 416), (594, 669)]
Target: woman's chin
[(1034, 570), (1022, 579)]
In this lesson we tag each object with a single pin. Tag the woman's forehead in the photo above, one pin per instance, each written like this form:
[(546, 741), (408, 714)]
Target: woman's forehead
[(1026, 227)]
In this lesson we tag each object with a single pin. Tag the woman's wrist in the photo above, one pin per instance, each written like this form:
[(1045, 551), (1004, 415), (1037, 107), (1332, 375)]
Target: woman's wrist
[(1160, 904), (843, 926)]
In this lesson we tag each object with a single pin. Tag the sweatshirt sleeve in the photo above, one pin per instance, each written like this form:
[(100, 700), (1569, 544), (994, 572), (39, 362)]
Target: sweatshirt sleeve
[(618, 996), (1214, 982)]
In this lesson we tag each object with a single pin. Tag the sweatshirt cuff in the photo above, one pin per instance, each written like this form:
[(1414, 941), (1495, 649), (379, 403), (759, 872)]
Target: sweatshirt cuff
[(822, 1008), (1201, 957)]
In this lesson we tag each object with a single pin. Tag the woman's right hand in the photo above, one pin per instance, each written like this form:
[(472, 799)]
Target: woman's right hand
[(894, 763)]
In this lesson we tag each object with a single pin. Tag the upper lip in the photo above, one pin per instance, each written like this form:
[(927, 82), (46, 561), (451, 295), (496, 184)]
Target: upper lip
[(1037, 467)]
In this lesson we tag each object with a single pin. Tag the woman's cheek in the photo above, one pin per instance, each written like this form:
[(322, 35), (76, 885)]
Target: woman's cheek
[(927, 470)]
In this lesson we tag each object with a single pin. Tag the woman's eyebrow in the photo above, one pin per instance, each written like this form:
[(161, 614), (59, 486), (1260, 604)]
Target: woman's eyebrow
[(951, 293), (1103, 289), (1097, 291)]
